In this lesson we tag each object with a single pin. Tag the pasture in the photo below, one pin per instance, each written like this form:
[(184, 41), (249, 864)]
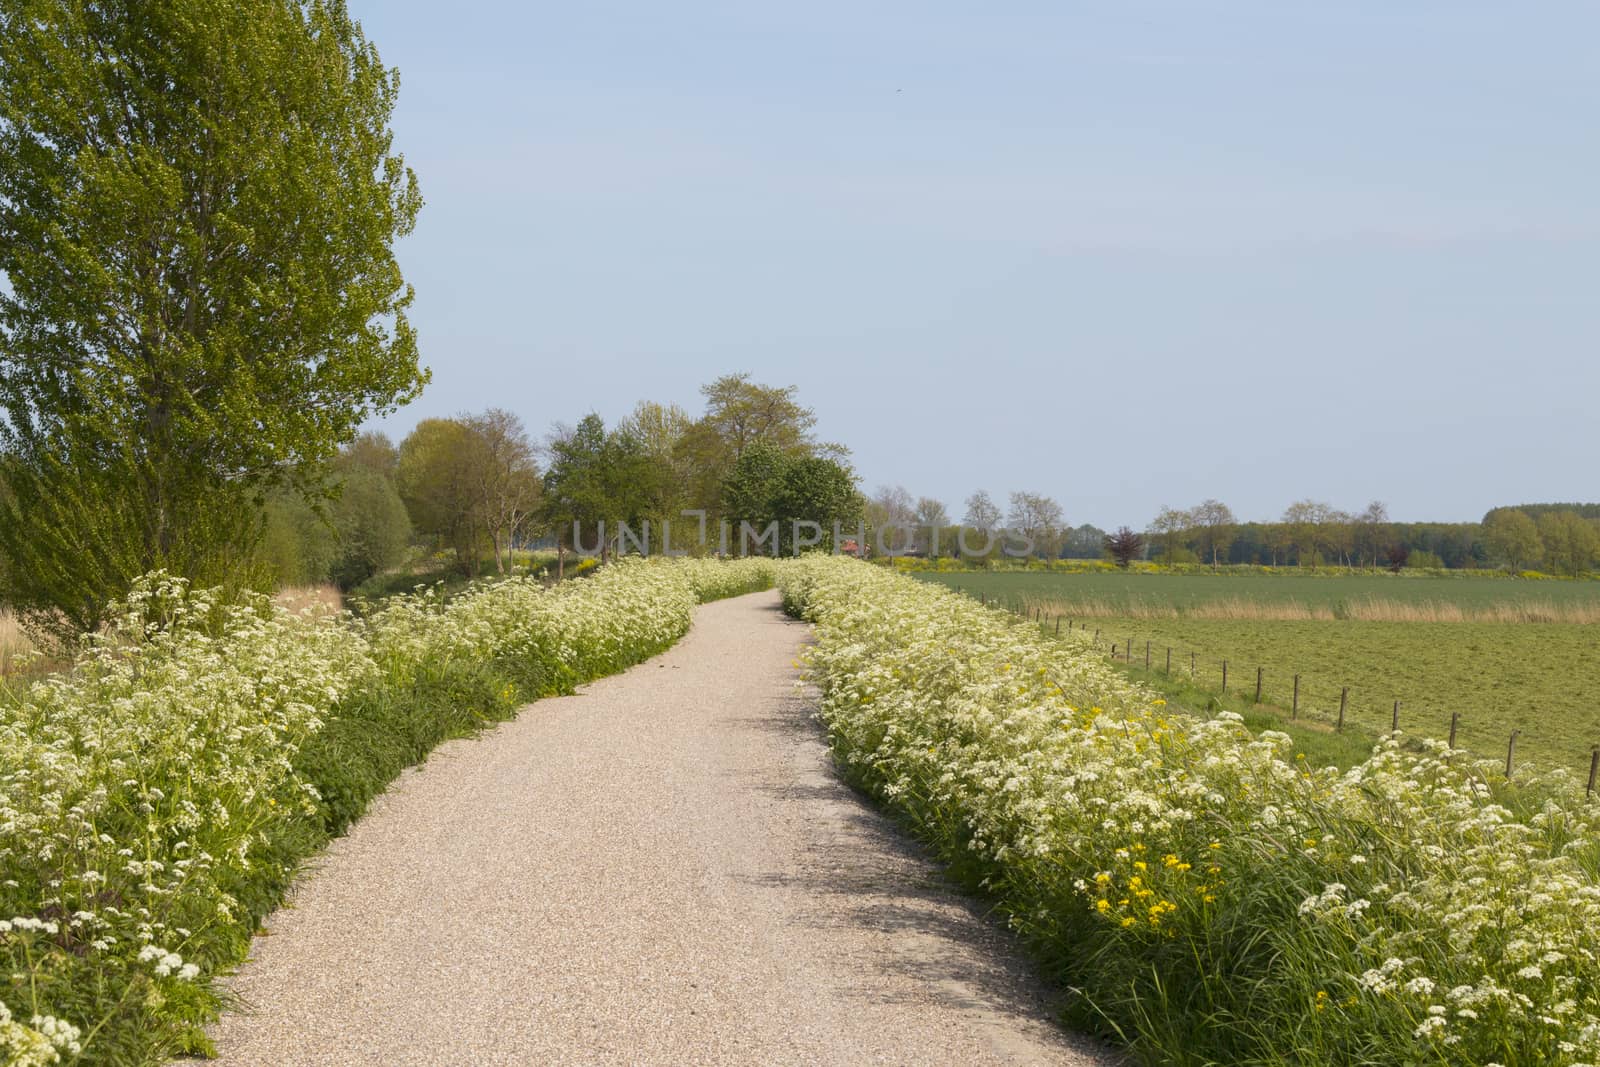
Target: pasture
[(1423, 642)]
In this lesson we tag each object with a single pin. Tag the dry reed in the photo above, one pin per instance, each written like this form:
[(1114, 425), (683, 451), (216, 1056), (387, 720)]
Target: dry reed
[(317, 598), (15, 648), (1361, 609)]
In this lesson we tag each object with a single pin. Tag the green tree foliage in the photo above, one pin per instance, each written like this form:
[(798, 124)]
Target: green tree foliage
[(358, 528), (198, 201), (1216, 528), (769, 484), (371, 527), (1083, 542), (371, 451), (1570, 541), (1513, 537), (598, 477), (740, 413), (437, 484)]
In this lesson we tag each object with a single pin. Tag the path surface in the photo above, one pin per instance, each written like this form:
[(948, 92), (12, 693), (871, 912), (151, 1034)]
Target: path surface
[(662, 869)]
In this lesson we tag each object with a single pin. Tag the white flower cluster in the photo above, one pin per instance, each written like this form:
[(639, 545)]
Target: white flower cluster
[(1144, 851), (147, 789)]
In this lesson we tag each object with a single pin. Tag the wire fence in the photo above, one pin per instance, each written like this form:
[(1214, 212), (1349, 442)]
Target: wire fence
[(1295, 700)]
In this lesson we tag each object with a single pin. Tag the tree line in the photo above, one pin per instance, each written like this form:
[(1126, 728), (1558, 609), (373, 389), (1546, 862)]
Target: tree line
[(1561, 538), (476, 487), (1564, 539)]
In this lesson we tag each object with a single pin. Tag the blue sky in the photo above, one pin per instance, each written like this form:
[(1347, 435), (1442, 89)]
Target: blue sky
[(1125, 254)]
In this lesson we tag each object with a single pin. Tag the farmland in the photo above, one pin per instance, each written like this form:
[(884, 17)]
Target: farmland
[(1139, 592), (1381, 636)]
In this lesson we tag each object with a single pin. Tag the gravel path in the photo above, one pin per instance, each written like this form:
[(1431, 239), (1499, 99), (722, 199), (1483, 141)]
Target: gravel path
[(662, 869)]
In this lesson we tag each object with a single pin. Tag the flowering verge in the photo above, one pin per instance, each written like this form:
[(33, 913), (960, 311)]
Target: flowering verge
[(1209, 897), (156, 799)]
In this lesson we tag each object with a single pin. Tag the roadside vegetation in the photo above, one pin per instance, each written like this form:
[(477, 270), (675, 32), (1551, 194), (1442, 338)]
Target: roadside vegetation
[(1207, 896), (1503, 655), (157, 798)]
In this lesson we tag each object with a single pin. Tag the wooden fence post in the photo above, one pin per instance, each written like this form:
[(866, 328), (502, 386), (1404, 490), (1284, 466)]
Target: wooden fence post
[(1455, 720), (1191, 664), (1129, 655), (1511, 752), (1258, 685), (1594, 769), (1394, 724), (1147, 655), (1058, 625), (1097, 637), (1224, 676), (1344, 696), (1169, 661), (1295, 711)]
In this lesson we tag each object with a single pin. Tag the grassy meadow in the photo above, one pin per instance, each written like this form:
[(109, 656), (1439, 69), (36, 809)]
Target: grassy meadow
[(1504, 654)]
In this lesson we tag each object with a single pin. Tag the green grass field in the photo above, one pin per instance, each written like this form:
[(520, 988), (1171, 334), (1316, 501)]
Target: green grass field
[(1327, 589), (1540, 678)]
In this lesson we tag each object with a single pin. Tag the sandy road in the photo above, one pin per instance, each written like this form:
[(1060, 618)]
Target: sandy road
[(662, 869)]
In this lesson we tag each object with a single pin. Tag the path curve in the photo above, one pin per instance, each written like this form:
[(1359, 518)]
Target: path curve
[(662, 869)]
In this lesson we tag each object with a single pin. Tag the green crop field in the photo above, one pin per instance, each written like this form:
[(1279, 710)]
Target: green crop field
[(1542, 678), (1329, 590)]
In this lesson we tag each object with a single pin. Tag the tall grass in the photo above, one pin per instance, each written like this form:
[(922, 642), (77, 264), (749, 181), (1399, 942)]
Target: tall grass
[(14, 644), (1361, 609), (319, 598)]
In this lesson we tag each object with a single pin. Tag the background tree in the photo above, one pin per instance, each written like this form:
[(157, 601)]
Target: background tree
[(575, 486), (1038, 518), (661, 430), (197, 207), (1339, 535), (892, 509), (438, 479), (931, 519), (1513, 537), (739, 413), (818, 489), (982, 514), (1570, 542), (770, 485), (1124, 546), (371, 451), (1214, 527), (505, 478), (360, 528), (1084, 542), (930, 513), (1168, 530), (1372, 530), (371, 526), (1301, 521)]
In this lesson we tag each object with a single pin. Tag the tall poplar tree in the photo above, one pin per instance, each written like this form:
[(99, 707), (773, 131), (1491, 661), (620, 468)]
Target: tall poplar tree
[(199, 301)]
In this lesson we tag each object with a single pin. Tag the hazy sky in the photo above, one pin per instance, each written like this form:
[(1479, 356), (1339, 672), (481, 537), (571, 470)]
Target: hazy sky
[(1126, 254)]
